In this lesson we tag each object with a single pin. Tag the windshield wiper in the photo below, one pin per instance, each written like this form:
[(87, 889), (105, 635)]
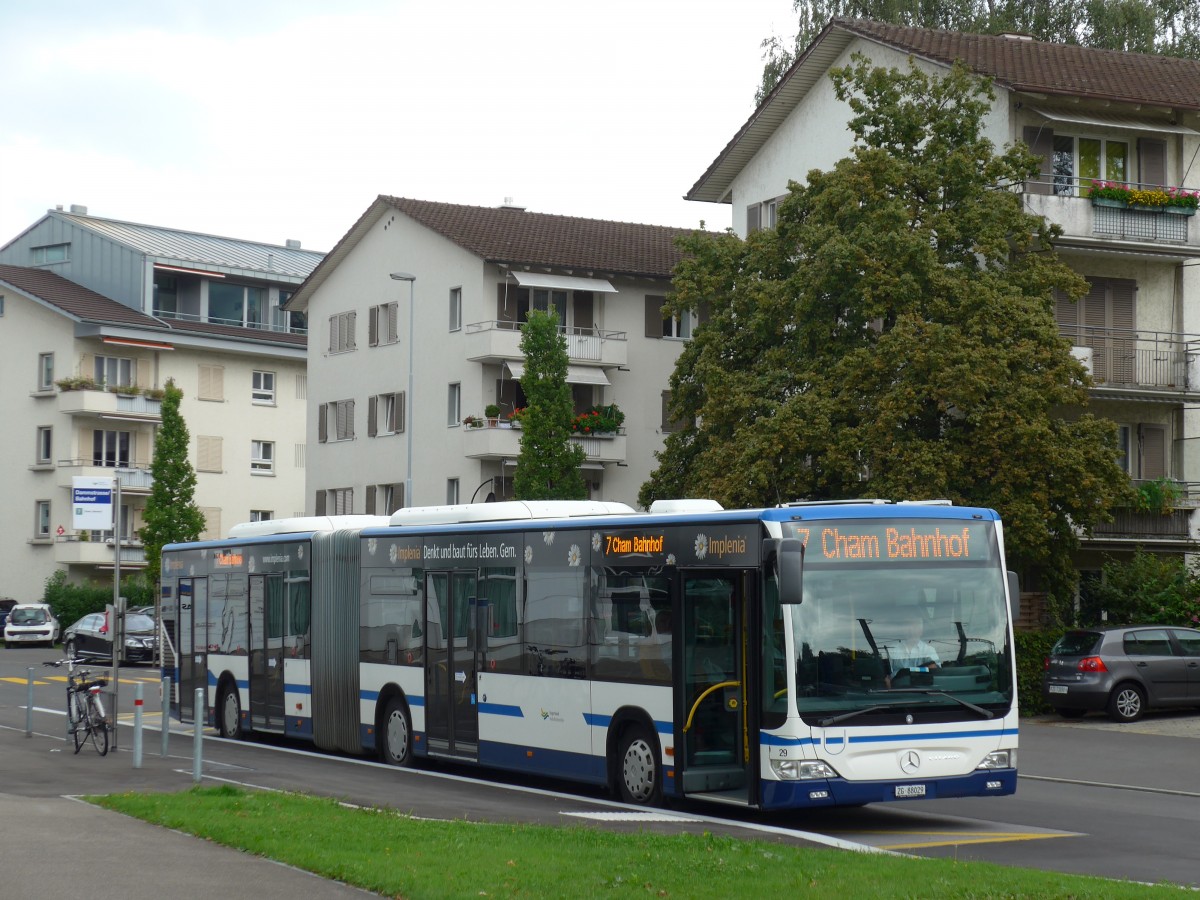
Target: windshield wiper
[(833, 720), (986, 713)]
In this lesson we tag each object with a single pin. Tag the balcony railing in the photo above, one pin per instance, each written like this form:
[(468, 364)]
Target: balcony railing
[(505, 443), (133, 480), (98, 401), (1142, 525), (1065, 201), (74, 549), (1153, 360), (277, 325), (497, 341)]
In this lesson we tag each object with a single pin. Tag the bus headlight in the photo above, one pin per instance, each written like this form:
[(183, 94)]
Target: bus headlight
[(801, 769), (1000, 759)]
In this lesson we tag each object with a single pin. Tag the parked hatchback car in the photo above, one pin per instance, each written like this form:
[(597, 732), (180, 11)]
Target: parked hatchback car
[(30, 623), (1123, 670), (89, 638)]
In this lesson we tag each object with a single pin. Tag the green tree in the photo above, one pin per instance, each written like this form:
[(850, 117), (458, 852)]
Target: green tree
[(548, 465), (1146, 588), (1168, 27), (171, 514), (894, 336)]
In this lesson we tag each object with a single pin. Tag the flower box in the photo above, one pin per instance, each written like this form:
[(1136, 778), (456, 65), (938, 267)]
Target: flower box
[(1180, 210), (1109, 201)]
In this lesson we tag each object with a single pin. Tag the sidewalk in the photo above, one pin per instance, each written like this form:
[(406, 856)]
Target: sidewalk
[(55, 846)]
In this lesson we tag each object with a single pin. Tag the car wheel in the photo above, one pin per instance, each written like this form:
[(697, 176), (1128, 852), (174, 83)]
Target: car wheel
[(229, 713), (396, 735), (1072, 713), (639, 775), (1126, 703), (70, 649)]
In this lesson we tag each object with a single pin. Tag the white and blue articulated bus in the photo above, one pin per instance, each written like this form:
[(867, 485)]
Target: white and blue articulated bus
[(815, 654)]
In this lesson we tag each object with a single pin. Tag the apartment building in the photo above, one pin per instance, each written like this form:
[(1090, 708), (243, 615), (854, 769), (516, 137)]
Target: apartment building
[(415, 331), (1126, 118), (96, 315)]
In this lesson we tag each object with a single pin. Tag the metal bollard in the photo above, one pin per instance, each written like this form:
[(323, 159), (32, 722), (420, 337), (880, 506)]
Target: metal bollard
[(197, 733), (29, 707), (165, 696), (137, 726)]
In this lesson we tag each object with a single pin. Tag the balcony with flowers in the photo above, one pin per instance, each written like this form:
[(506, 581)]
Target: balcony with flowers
[(599, 430), (1117, 210)]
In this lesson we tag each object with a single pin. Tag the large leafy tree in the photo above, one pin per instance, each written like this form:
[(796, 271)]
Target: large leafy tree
[(1169, 27), (894, 335), (548, 465), (171, 514)]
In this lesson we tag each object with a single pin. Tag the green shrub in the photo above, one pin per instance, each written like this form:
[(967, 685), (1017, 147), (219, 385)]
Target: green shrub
[(71, 602), (1032, 649)]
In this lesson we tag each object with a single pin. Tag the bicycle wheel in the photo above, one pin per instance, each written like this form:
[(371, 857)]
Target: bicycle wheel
[(97, 727), (81, 719)]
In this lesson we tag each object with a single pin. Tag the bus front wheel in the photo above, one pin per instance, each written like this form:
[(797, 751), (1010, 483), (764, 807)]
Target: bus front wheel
[(397, 734), (639, 773)]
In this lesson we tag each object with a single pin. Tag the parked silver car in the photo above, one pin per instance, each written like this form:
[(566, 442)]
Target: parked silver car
[(1123, 670)]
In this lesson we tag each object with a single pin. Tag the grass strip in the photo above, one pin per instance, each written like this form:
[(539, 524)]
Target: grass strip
[(395, 855)]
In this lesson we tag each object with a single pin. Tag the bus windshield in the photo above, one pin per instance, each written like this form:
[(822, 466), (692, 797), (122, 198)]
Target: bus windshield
[(876, 634)]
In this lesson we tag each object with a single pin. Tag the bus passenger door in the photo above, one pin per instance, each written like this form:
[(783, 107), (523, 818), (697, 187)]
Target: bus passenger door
[(451, 709), (267, 613), (192, 645), (715, 755)]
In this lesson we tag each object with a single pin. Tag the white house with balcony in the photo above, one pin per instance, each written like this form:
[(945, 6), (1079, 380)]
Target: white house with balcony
[(83, 372), (1132, 120), (439, 291)]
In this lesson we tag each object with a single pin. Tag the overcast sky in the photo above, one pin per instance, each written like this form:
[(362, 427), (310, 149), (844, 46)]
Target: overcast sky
[(276, 119)]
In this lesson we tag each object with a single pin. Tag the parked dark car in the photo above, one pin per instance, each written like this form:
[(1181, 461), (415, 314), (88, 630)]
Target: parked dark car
[(1123, 670), (6, 605), (89, 638)]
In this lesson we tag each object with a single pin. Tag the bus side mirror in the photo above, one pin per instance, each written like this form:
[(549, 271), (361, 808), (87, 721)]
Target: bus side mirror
[(787, 559), (1014, 594)]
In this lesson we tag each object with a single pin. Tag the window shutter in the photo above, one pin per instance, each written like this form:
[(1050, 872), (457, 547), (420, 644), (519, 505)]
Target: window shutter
[(208, 453), (212, 383), (370, 499), (87, 366), (1154, 452), (401, 409), (1152, 161), (393, 319), (372, 410), (373, 326), (1041, 142), (319, 506), (654, 316), (351, 320), (398, 500), (323, 423), (333, 333)]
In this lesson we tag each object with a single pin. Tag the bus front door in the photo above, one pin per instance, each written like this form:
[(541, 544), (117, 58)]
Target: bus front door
[(451, 710), (192, 646), (712, 715)]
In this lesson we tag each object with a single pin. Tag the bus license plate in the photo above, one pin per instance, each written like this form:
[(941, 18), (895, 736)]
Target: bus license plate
[(910, 790), (1057, 689)]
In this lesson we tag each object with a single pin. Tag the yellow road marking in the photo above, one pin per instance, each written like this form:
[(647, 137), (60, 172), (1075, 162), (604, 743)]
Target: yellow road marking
[(952, 839)]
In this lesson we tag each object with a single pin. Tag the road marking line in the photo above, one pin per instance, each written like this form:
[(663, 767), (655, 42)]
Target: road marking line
[(981, 839)]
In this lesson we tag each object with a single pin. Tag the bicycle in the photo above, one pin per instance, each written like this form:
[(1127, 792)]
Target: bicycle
[(85, 708)]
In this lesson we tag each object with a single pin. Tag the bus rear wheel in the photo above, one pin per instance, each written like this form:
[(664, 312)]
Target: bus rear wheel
[(639, 773), (396, 734)]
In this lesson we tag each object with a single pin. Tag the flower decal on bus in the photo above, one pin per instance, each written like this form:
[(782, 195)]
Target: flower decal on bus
[(371, 545), (548, 537), (595, 542), (300, 552), (670, 559), (528, 554), (252, 565), (701, 546), (392, 553), (573, 555)]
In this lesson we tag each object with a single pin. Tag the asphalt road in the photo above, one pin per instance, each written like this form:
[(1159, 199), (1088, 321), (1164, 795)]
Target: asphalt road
[(1094, 797)]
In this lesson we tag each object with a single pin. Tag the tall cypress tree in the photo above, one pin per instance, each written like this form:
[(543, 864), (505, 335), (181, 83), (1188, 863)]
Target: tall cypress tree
[(171, 514), (548, 465)]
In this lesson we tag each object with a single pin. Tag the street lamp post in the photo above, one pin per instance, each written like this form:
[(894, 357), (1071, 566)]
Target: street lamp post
[(409, 408)]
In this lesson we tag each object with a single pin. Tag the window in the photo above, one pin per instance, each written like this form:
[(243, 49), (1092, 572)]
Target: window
[(45, 444), (381, 324), (667, 422), (111, 448), (45, 372), (285, 320), (41, 519), (660, 326), (209, 454), (454, 404), (51, 253), (451, 491), (335, 421), (384, 499), (115, 370), (236, 304), (212, 383), (166, 295), (1123, 435), (262, 388), (1077, 161), (341, 332), (261, 515), (335, 502), (455, 309), (262, 457), (385, 414), (1, 304), (753, 219)]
